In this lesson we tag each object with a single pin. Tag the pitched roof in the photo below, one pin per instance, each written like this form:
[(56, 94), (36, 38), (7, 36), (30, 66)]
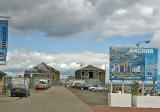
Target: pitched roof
[(42, 68), (2, 73), (90, 67)]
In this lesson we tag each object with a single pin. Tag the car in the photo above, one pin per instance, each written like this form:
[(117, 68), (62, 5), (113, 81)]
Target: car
[(20, 90), (42, 84), (77, 85), (97, 88), (83, 87)]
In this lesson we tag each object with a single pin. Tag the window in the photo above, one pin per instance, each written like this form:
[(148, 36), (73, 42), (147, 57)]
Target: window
[(90, 75), (82, 73)]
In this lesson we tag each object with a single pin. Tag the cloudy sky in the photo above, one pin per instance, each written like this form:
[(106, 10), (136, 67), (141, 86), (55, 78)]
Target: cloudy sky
[(63, 32)]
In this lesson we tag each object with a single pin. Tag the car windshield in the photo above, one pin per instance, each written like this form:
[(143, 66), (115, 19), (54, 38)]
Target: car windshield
[(20, 86), (42, 82)]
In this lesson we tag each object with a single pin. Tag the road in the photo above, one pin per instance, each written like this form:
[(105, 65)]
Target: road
[(55, 99)]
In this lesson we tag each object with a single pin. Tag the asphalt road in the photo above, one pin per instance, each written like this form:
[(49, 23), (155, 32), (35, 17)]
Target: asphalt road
[(55, 99)]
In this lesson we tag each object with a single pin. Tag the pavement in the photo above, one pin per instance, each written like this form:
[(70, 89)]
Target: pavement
[(102, 108), (55, 99)]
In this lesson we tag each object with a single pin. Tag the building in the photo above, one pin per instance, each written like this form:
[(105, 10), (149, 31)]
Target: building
[(71, 77), (43, 71), (2, 81), (91, 72)]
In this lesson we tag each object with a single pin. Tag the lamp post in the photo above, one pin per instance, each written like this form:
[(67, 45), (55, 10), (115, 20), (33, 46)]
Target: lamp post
[(81, 68), (137, 44)]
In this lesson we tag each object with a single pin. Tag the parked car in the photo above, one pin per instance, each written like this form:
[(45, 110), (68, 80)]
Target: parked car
[(20, 90), (97, 88), (76, 85), (83, 87), (42, 84)]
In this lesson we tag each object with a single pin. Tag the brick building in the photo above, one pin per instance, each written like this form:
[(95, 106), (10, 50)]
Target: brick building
[(91, 72), (2, 81), (43, 71)]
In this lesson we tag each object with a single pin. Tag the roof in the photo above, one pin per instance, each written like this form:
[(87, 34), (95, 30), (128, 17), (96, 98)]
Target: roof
[(90, 67), (2, 73), (42, 68)]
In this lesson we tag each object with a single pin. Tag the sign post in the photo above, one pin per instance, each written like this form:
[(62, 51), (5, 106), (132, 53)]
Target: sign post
[(110, 86), (122, 86), (142, 88)]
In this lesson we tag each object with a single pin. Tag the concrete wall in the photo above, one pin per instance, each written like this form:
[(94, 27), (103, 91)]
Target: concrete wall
[(120, 100), (146, 101)]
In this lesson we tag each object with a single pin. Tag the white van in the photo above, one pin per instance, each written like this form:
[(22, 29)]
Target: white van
[(42, 84)]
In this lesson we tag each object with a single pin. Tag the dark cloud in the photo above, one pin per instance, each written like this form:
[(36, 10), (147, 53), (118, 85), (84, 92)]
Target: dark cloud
[(64, 18)]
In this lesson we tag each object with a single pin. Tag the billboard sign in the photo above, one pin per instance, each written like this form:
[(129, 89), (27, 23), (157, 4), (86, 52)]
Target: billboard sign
[(133, 63), (3, 39), (158, 83)]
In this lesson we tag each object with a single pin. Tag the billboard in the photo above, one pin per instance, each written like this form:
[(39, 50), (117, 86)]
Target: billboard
[(133, 63), (3, 39), (158, 83)]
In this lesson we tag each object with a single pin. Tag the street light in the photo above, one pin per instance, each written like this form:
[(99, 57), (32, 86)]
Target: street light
[(138, 43), (81, 68)]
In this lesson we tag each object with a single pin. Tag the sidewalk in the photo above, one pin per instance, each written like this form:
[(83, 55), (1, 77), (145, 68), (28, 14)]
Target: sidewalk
[(122, 109)]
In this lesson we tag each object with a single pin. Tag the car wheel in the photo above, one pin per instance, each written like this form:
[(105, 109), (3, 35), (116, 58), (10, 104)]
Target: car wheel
[(93, 90), (81, 88)]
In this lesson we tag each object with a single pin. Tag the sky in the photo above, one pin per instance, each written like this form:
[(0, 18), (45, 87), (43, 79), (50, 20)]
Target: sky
[(64, 32)]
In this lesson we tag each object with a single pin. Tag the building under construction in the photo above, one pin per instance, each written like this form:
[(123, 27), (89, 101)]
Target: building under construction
[(91, 72), (43, 71)]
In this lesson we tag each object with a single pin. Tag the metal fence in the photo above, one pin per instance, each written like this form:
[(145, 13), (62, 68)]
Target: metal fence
[(11, 81)]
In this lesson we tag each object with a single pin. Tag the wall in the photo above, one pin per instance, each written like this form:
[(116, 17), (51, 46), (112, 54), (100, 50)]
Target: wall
[(146, 101), (120, 100)]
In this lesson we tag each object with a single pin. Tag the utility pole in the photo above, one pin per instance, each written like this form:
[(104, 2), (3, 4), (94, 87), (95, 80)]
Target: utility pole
[(81, 69)]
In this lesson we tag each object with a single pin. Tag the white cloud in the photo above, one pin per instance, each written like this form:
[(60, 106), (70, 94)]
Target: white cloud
[(121, 11), (19, 60), (155, 40), (147, 11), (64, 18)]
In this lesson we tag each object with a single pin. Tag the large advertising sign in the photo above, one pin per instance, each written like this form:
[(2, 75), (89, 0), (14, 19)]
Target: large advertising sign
[(158, 83), (3, 39), (133, 63)]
